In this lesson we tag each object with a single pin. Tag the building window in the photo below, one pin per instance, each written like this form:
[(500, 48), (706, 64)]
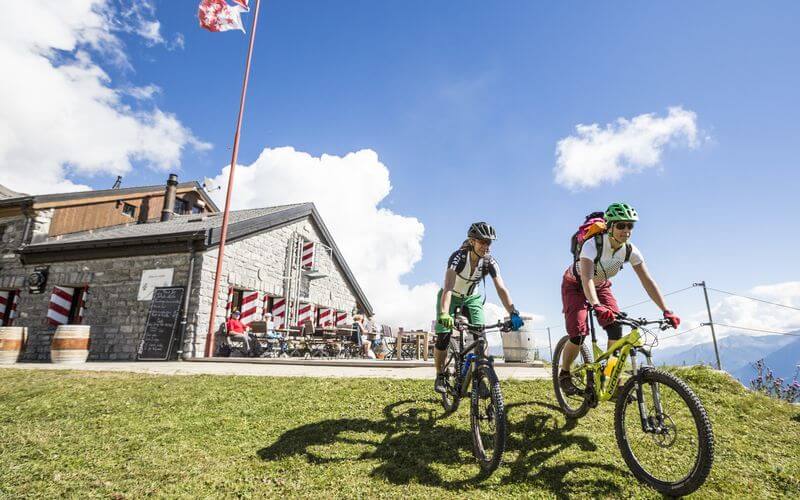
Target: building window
[(129, 210), (180, 206), (234, 301), (197, 210)]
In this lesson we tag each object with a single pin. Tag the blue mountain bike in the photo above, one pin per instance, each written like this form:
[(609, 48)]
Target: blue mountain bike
[(470, 370)]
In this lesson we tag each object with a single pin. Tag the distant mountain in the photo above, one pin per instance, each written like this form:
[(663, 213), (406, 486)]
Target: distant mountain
[(735, 351), (783, 363)]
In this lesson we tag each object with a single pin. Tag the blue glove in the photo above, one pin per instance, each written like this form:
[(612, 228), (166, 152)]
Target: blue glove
[(516, 321)]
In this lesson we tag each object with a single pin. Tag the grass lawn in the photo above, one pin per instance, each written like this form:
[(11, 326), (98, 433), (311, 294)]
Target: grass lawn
[(112, 435)]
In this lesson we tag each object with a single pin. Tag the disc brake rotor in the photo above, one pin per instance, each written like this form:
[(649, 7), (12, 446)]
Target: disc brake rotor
[(665, 434)]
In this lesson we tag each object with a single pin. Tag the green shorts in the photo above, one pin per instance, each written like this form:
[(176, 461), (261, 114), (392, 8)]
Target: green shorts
[(471, 307)]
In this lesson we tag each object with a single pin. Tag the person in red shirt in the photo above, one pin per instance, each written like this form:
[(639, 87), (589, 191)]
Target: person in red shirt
[(238, 331)]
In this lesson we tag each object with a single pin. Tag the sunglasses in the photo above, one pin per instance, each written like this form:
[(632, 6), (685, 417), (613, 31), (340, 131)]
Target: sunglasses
[(485, 242), (624, 225)]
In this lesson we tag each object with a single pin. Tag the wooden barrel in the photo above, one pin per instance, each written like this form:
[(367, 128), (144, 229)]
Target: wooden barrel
[(70, 344), (12, 341)]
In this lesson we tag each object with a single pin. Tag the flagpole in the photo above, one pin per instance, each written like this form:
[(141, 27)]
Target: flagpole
[(234, 156)]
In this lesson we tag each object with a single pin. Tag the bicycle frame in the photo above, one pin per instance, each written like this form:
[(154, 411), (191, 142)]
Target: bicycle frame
[(603, 390), (468, 361)]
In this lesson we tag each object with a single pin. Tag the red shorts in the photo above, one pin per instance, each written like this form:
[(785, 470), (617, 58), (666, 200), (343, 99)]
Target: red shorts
[(576, 308)]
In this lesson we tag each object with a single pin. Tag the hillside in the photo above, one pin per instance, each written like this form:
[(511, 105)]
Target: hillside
[(103, 435)]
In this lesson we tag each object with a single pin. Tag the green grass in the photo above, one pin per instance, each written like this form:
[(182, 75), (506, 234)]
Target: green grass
[(111, 435)]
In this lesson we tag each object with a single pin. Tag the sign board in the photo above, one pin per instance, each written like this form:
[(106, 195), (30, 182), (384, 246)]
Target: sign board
[(162, 320), (152, 278)]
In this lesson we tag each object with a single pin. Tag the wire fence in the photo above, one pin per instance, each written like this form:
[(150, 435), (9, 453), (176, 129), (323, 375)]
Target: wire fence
[(557, 328)]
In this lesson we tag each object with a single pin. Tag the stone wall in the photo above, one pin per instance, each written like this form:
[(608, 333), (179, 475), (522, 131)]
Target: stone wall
[(116, 317), (260, 263), (12, 276)]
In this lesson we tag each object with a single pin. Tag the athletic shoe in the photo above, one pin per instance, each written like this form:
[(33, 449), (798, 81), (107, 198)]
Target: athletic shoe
[(567, 387), (440, 384)]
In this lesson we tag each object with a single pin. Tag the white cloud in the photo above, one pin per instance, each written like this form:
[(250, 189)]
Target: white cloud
[(740, 311), (379, 245), (597, 155), (142, 93), (59, 110)]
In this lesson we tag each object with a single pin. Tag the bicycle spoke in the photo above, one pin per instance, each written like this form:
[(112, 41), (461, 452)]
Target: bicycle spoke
[(669, 450)]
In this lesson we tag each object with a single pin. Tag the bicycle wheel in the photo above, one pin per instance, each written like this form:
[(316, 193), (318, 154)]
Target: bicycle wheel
[(676, 457), (487, 418), (573, 406), (451, 398)]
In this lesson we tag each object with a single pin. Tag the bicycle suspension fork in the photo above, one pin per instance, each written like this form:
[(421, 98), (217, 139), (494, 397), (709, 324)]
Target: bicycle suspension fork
[(654, 423)]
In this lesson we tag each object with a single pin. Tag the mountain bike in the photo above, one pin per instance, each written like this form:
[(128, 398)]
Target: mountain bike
[(661, 427), (470, 370)]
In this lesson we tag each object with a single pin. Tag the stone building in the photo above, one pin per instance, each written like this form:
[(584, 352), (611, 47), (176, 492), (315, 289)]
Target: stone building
[(280, 259)]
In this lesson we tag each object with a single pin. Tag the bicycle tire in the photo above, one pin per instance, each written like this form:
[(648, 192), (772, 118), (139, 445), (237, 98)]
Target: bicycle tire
[(705, 436), (451, 398), (574, 407), (485, 385)]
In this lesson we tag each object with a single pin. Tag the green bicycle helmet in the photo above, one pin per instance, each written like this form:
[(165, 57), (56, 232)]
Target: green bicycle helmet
[(617, 212)]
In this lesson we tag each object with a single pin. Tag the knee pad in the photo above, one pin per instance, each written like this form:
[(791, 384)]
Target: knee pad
[(442, 340), (577, 340), (614, 331)]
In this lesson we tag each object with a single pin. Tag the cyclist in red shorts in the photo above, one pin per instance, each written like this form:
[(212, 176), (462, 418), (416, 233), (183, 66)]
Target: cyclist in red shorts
[(592, 286)]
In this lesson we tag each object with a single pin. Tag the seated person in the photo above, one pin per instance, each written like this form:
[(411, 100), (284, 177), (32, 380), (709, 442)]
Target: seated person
[(308, 328), (359, 335), (239, 332), (271, 334)]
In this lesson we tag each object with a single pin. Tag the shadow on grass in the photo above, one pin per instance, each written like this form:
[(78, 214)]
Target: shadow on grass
[(411, 445), (796, 418), (539, 437)]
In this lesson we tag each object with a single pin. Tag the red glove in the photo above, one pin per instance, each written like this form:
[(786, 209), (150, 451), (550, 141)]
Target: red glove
[(605, 316), (673, 319)]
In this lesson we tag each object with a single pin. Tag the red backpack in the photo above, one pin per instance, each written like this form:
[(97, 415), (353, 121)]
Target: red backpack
[(594, 227)]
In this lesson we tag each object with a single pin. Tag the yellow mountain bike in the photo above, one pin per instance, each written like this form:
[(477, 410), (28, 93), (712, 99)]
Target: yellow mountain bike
[(661, 426)]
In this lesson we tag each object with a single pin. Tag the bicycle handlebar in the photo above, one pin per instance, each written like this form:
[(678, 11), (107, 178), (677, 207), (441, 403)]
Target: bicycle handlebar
[(502, 325), (623, 319)]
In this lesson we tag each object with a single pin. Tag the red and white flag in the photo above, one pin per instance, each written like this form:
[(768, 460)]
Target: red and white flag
[(219, 15)]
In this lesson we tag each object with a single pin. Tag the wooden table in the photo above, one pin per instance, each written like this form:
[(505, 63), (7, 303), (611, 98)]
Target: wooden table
[(420, 338)]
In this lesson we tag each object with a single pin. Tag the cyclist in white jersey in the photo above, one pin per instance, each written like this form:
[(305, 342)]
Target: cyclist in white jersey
[(592, 286), (466, 267)]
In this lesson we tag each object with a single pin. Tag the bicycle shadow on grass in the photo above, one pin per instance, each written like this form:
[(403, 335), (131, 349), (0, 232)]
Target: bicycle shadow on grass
[(409, 443), (539, 437), (413, 443)]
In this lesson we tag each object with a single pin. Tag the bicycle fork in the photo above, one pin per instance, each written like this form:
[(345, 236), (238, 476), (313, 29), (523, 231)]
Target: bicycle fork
[(652, 424), (467, 371)]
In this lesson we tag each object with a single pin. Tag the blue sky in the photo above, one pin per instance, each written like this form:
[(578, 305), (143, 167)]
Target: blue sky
[(465, 102)]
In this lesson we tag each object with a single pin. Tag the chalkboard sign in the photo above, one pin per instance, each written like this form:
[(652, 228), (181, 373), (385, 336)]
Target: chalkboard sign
[(159, 332)]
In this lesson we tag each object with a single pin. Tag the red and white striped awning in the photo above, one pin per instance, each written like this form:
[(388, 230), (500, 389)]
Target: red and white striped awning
[(341, 318), (6, 298), (305, 313), (229, 304), (307, 260), (60, 303), (249, 305), (325, 317), (279, 312)]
